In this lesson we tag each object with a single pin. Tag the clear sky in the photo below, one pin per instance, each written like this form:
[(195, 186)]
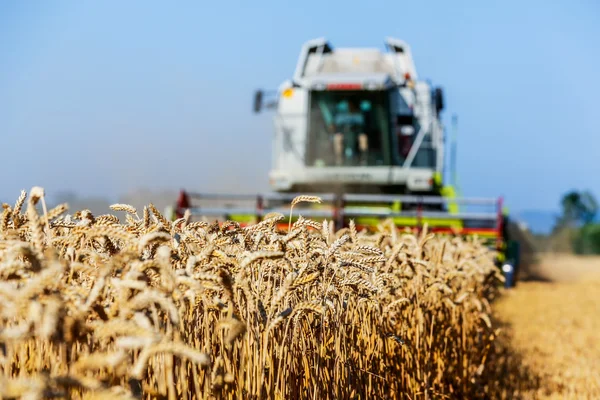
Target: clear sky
[(103, 97)]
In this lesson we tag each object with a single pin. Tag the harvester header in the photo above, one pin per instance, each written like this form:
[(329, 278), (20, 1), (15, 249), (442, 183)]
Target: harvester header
[(406, 211), (359, 128)]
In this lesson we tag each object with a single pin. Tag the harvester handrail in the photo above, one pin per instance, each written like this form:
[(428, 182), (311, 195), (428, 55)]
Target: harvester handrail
[(367, 198), (213, 211), (250, 196), (222, 196), (349, 212), (384, 198), (218, 211)]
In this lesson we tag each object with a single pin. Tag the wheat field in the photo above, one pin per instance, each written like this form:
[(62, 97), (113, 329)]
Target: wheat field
[(92, 307)]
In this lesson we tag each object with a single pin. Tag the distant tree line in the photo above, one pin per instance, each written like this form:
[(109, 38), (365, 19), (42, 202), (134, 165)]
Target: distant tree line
[(579, 210)]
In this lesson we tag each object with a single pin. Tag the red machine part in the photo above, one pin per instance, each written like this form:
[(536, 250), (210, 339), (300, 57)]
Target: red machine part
[(183, 202)]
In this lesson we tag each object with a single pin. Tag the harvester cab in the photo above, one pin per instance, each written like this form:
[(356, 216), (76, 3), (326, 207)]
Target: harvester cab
[(359, 129), (356, 121)]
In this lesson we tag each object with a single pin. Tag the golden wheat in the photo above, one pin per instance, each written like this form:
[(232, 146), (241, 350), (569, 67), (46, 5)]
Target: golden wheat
[(149, 308)]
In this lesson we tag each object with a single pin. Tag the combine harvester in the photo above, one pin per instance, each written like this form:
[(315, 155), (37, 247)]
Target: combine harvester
[(358, 128)]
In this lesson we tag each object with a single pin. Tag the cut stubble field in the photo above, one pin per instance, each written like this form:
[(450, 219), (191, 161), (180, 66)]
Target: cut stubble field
[(554, 323)]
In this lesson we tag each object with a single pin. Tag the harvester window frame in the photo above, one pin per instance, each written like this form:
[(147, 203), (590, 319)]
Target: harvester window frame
[(380, 100), (425, 156)]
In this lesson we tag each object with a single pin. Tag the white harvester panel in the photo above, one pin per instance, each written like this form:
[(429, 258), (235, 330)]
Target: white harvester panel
[(357, 117), (290, 128)]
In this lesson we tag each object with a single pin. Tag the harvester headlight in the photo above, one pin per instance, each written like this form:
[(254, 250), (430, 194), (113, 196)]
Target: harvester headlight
[(507, 268), (288, 92)]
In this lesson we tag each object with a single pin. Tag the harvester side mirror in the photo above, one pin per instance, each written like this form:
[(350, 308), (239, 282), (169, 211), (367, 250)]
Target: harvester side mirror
[(258, 99), (439, 100)]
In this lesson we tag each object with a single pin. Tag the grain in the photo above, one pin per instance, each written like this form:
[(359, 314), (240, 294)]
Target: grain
[(152, 308)]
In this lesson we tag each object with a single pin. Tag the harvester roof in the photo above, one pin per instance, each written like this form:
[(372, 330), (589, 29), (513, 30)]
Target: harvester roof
[(320, 60)]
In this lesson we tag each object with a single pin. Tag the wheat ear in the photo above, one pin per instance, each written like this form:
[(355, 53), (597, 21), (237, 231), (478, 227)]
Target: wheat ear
[(300, 199)]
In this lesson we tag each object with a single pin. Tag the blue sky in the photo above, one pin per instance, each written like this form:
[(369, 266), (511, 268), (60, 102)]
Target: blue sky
[(103, 97)]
